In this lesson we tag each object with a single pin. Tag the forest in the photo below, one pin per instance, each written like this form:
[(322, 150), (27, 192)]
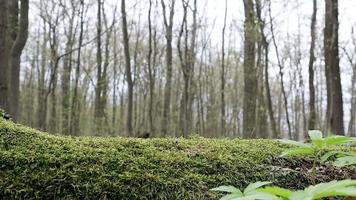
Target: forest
[(172, 69), (177, 99)]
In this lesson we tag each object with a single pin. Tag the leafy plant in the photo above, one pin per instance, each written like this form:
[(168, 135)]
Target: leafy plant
[(251, 192), (342, 158), (322, 190), (319, 191), (318, 144), (318, 148)]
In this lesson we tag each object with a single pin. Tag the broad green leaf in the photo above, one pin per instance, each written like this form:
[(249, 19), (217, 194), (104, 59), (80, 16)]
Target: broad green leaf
[(285, 193), (315, 135), (301, 195), (292, 142), (345, 161), (230, 189), (347, 191), (330, 186), (255, 196), (253, 186), (338, 139), (259, 196), (298, 151), (329, 154), (231, 197)]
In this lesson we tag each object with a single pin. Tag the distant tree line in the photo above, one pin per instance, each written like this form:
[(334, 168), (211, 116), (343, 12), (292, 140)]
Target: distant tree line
[(152, 67)]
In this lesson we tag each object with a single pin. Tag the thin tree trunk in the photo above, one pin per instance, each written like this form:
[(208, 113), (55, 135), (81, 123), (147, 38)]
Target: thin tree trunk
[(129, 128), (312, 111), (98, 113), (75, 110), (169, 59), (250, 78), (67, 70), (281, 74), (222, 77)]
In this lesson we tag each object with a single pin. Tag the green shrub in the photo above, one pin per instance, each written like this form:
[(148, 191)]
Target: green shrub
[(37, 165)]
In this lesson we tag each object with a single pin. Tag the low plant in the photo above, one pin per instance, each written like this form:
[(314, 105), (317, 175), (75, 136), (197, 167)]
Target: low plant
[(255, 191), (320, 149), (251, 192), (342, 158)]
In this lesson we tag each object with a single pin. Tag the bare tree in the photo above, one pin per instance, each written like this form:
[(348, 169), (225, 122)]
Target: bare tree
[(168, 23), (335, 113), (312, 112), (281, 73), (75, 106), (250, 77), (4, 69), (222, 76), (128, 69), (16, 51)]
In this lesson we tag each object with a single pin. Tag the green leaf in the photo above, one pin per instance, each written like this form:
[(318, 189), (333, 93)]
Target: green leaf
[(348, 191), (230, 189), (338, 139), (231, 197), (255, 196), (285, 193), (315, 135), (253, 186), (298, 151), (322, 189), (301, 195), (345, 161), (329, 154), (292, 142)]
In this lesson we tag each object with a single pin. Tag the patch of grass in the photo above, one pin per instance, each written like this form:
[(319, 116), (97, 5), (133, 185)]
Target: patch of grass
[(37, 165)]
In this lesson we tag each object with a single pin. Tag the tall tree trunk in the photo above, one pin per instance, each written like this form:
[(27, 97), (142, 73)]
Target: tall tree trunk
[(42, 100), (281, 73), (250, 78), (191, 66), (65, 79), (335, 112), (312, 111), (151, 70), (98, 112), (75, 109), (130, 83), (352, 123), (168, 23), (222, 77), (4, 68), (262, 23), (16, 51)]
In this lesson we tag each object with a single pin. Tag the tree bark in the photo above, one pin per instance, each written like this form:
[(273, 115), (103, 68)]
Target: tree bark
[(168, 23), (222, 77), (312, 111), (335, 120), (250, 78), (75, 109), (130, 83), (4, 68), (281, 73), (16, 51)]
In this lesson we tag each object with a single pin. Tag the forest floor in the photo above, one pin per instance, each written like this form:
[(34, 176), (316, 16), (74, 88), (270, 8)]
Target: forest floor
[(38, 165)]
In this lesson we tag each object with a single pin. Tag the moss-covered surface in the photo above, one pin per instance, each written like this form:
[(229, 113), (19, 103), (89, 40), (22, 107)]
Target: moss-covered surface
[(37, 165)]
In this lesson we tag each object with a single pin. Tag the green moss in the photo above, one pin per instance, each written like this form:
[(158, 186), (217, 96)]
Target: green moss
[(37, 165)]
